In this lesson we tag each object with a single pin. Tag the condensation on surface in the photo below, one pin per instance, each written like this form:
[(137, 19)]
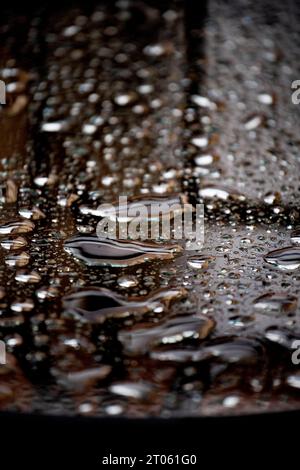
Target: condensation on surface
[(110, 100)]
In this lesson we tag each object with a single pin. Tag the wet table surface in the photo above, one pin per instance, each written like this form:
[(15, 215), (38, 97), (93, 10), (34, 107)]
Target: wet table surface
[(153, 103)]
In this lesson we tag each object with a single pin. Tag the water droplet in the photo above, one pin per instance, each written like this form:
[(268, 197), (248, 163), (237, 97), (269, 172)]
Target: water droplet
[(220, 192), (14, 243), (35, 213), (199, 261), (82, 378), (127, 281), (53, 126), (28, 277), (137, 391), (19, 260), (231, 401), (294, 381), (203, 160), (124, 99), (253, 122), (200, 141), (295, 237), (265, 98), (22, 306), (96, 251), (98, 304), (228, 350), (155, 206), (47, 293), (203, 102), (89, 129), (284, 258), (16, 226), (114, 410), (140, 339), (155, 50), (281, 336), (273, 302), (71, 30), (272, 198)]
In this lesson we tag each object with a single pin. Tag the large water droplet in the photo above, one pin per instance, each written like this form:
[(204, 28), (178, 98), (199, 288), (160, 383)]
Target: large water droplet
[(273, 302), (140, 339), (14, 243), (19, 260), (16, 226), (228, 350), (285, 258), (96, 251), (155, 207), (98, 304)]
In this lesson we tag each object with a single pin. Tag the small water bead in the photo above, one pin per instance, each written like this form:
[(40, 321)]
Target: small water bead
[(14, 341), (42, 181), (22, 306), (71, 31), (14, 243), (203, 102), (86, 408), (265, 98), (95, 251), (145, 89), (200, 261), (89, 129), (47, 293), (155, 50), (137, 391), (127, 281), (284, 258), (274, 302), (53, 127), (16, 226), (253, 122), (272, 198), (231, 401), (200, 142), (35, 213), (125, 99), (240, 321), (204, 160), (114, 410), (96, 305), (19, 260), (140, 339)]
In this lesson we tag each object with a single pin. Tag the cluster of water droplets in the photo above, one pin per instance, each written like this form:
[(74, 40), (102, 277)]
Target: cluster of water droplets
[(109, 327)]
